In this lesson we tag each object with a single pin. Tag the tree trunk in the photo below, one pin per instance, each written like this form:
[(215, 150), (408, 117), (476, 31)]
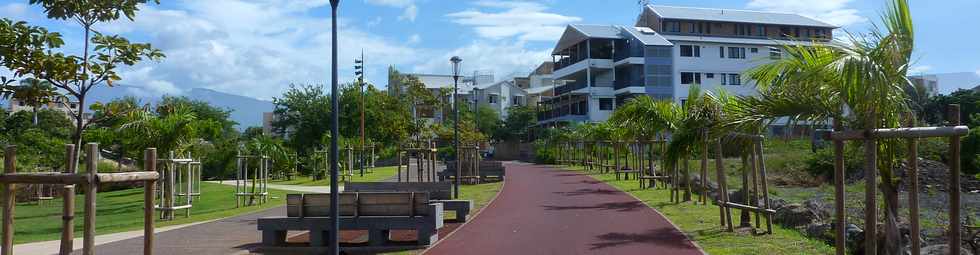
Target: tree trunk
[(687, 180), (893, 236)]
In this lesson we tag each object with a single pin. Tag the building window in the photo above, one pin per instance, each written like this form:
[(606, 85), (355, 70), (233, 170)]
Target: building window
[(819, 33), (709, 75), (775, 53), (690, 51), (742, 29), (605, 104), (518, 100), (754, 50), (736, 52), (721, 52), (724, 79), (760, 30), (734, 79), (672, 26), (690, 78), (785, 31), (492, 99), (73, 105)]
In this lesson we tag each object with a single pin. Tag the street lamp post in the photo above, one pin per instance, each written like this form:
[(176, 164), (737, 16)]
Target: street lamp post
[(456, 60), (476, 110), (333, 243)]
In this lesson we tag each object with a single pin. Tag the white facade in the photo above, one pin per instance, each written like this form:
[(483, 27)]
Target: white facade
[(500, 96)]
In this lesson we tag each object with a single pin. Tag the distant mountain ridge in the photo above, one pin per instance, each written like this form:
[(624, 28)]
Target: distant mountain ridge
[(246, 111)]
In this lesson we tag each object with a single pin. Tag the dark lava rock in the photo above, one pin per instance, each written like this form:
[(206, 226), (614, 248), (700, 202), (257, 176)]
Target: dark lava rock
[(795, 215), (941, 249)]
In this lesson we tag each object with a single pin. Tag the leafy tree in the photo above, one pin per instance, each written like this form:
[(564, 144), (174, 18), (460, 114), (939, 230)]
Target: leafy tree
[(203, 110), (934, 111), (252, 132), (519, 120), (302, 113), (33, 51), (177, 129)]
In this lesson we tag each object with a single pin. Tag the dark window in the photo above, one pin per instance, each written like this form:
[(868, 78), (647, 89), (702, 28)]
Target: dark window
[(755, 50), (690, 51), (672, 26), (721, 52), (690, 78), (734, 79), (492, 99), (709, 75), (605, 104), (785, 31), (760, 30), (724, 79), (742, 29), (736, 52)]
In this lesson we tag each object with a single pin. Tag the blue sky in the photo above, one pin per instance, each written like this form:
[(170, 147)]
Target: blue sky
[(258, 47)]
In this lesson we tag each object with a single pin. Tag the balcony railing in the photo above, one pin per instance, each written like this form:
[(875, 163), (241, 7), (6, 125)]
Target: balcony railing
[(569, 87)]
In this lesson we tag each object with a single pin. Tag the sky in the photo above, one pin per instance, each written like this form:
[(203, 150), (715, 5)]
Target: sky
[(257, 48)]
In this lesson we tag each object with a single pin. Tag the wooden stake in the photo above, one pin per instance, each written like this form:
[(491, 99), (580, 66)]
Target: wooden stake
[(68, 204), (9, 200), (913, 163), (954, 182), (91, 165), (149, 165), (723, 185), (765, 186), (840, 233), (870, 200)]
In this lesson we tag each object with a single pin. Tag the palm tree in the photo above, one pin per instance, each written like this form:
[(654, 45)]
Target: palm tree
[(860, 82), (176, 129), (34, 93)]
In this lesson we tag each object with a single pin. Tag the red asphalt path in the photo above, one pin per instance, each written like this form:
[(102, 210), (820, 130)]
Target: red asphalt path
[(543, 210)]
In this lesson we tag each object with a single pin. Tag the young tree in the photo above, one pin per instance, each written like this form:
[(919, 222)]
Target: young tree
[(31, 51), (300, 113)]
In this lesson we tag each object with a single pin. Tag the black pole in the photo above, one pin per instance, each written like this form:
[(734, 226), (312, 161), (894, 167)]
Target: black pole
[(334, 133), (456, 132)]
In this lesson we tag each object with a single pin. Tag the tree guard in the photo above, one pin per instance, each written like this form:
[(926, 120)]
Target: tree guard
[(650, 175), (754, 184), (180, 178), (870, 138), (90, 182), (251, 183), (425, 162)]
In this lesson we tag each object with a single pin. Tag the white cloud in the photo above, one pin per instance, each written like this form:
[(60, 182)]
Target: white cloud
[(526, 21), (411, 10), (504, 58), (832, 11), (414, 39), (920, 69), (251, 48), (978, 72), (374, 22)]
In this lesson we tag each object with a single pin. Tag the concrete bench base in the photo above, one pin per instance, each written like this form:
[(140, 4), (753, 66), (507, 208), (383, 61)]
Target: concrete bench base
[(274, 228), (461, 207)]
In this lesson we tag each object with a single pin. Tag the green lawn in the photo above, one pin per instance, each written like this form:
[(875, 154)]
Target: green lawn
[(373, 175), (120, 211), (702, 224)]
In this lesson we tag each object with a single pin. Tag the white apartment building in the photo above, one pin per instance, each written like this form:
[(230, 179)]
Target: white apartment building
[(61, 105), (668, 49), (500, 95)]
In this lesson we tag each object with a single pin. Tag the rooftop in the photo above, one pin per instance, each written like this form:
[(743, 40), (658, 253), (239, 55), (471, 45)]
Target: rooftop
[(740, 16)]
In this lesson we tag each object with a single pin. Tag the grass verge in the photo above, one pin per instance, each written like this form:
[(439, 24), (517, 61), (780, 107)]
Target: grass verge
[(120, 211), (373, 175), (702, 224)]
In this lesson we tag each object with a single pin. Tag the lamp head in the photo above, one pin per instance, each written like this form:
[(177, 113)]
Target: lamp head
[(455, 60), (334, 3)]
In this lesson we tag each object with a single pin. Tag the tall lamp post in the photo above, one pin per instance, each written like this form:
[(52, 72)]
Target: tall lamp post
[(476, 110), (334, 134), (456, 60)]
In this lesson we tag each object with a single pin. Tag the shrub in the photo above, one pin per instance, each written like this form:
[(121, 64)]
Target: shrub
[(934, 149), (821, 163), (544, 154), (970, 152)]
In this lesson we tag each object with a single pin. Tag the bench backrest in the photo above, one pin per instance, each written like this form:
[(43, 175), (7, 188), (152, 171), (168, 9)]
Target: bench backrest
[(436, 190), (359, 204)]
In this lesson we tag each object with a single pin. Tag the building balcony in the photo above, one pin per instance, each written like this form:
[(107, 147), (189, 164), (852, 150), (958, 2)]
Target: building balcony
[(580, 66)]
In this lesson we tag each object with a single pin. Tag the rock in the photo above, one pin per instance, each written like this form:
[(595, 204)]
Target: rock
[(776, 203), (819, 208), (795, 215), (855, 239), (941, 249), (822, 231)]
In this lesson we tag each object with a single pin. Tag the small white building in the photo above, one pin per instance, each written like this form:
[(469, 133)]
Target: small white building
[(500, 96)]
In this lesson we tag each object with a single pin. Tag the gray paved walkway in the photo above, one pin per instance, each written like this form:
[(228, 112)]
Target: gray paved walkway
[(234, 235)]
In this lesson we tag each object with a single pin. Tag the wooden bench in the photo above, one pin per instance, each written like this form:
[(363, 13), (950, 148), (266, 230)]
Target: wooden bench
[(439, 192), (488, 170), (376, 212)]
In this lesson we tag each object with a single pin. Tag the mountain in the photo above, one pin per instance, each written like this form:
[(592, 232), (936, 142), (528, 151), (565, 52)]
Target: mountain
[(949, 82), (246, 111)]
